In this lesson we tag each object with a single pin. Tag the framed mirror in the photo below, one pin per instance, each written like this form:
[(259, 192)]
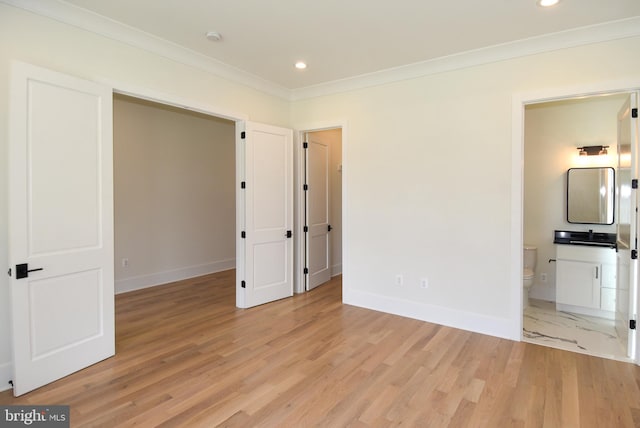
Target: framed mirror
[(590, 195)]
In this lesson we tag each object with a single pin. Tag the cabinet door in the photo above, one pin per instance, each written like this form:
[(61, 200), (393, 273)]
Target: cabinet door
[(578, 283)]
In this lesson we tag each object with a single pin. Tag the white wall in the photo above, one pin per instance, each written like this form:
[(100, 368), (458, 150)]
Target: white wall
[(174, 185), (333, 138), (553, 131), (428, 182), (47, 43)]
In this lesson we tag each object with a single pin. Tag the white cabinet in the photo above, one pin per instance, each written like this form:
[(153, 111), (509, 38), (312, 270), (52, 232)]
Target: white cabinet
[(586, 279), (578, 283)]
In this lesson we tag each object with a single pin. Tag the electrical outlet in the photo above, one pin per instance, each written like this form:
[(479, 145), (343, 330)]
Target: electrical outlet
[(543, 277), (399, 280), (424, 283), (125, 263)]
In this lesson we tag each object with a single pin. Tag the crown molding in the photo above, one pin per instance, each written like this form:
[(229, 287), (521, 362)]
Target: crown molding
[(612, 30), (93, 22), (70, 14)]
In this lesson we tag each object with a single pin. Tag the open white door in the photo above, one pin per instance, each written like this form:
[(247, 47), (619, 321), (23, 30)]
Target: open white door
[(317, 212), (264, 271), (60, 225), (627, 224)]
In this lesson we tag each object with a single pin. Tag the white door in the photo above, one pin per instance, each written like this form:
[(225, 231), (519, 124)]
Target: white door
[(317, 212), (627, 265), (60, 225), (264, 271)]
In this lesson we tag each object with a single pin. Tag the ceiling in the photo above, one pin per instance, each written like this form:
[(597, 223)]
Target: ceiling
[(340, 39)]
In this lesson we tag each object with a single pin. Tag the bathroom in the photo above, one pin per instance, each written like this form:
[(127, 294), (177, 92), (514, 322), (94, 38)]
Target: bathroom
[(554, 132)]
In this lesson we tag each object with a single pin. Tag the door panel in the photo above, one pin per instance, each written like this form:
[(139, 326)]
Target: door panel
[(265, 266), (317, 195), (60, 221), (627, 222)]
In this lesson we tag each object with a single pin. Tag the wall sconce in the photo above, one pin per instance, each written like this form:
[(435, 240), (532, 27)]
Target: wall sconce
[(593, 150)]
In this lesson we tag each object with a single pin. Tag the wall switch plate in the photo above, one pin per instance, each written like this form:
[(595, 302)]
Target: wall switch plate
[(424, 283), (399, 280), (543, 277), (125, 262)]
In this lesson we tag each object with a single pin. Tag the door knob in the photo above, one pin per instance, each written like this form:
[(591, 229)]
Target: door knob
[(22, 270)]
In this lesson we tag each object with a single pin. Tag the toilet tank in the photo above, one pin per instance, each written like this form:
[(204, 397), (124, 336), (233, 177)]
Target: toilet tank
[(529, 258)]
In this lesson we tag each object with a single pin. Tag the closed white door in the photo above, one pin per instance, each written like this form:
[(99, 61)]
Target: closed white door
[(265, 215), (627, 223), (317, 212), (60, 225)]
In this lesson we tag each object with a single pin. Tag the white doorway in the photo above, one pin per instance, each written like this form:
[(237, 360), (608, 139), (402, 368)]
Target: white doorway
[(174, 193), (553, 128), (320, 205)]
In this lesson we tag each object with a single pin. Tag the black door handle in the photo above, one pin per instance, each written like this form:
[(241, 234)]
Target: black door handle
[(22, 270), (329, 228)]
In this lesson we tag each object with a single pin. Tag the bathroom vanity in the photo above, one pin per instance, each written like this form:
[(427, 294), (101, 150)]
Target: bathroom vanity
[(586, 273)]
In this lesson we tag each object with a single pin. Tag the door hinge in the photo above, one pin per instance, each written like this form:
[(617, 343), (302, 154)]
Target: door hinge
[(634, 112), (243, 234), (634, 183), (306, 271), (632, 324), (243, 135), (243, 284), (305, 187), (9, 272), (305, 229), (305, 145), (243, 185)]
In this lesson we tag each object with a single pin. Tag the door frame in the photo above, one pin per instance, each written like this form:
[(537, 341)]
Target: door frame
[(518, 104), (299, 198)]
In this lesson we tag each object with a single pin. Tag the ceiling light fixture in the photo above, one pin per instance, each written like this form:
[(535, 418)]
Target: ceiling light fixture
[(300, 65), (548, 3), (214, 36)]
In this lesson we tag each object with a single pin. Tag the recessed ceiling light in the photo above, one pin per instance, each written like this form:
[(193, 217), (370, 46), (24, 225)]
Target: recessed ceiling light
[(214, 36), (300, 65), (548, 3)]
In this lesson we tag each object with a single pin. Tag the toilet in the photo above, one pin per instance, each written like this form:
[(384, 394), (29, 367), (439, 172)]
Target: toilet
[(529, 267)]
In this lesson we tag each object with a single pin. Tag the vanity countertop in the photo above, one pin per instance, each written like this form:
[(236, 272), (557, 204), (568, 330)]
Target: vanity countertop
[(590, 238)]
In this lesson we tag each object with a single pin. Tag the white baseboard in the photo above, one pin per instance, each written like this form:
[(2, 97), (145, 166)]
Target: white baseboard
[(146, 281), (499, 327), (336, 270), (6, 374)]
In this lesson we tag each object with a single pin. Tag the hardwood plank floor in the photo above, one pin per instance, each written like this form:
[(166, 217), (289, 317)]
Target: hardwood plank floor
[(186, 357)]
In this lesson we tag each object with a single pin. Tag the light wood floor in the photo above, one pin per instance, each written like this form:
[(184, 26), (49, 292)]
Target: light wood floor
[(186, 357)]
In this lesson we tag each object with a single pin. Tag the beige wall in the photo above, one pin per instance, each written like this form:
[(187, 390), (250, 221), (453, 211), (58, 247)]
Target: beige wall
[(174, 175), (428, 182), (333, 138), (553, 131)]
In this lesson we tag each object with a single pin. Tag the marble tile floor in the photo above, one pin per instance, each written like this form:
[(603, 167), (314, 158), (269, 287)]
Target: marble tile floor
[(543, 325)]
